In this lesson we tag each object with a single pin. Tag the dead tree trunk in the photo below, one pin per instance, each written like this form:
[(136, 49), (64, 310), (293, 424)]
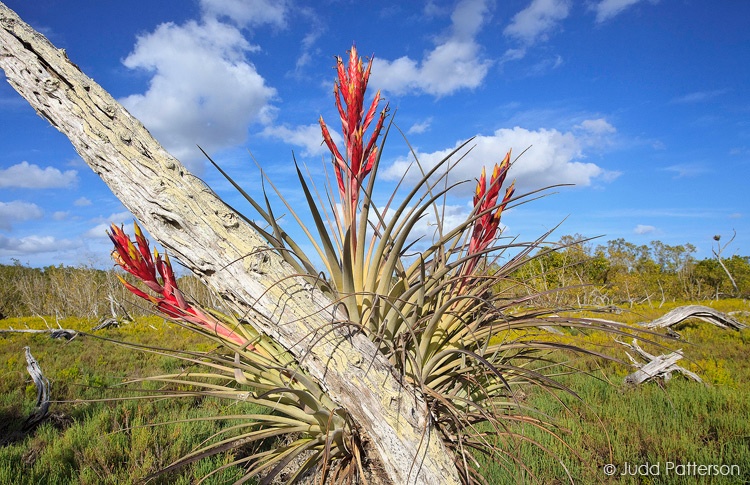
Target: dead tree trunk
[(188, 219), (717, 253)]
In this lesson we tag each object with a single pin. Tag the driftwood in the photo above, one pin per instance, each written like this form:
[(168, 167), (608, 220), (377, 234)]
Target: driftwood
[(42, 391), (656, 366), (707, 314), (194, 225), (106, 323), (65, 333), (662, 366)]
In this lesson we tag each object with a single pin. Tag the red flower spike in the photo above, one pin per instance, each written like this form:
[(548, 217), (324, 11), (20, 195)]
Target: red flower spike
[(171, 302), (488, 221), (132, 259), (349, 91)]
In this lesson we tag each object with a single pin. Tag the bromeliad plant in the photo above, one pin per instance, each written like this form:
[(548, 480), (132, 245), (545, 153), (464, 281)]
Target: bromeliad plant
[(253, 370), (441, 317)]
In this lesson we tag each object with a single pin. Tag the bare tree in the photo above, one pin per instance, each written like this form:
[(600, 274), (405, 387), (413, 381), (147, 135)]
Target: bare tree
[(717, 253), (188, 219)]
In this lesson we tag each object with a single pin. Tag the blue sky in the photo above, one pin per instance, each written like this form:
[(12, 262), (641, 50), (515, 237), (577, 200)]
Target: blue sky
[(642, 104)]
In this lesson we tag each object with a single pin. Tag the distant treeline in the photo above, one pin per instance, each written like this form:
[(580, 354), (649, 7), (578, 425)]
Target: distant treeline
[(81, 291), (622, 273), (615, 273)]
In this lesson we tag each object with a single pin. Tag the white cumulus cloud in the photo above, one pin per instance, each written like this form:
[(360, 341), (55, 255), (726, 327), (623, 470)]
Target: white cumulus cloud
[(554, 157), (455, 63), (420, 127), (11, 247), (27, 175), (598, 126), (308, 137), (18, 210), (607, 9), (203, 90), (99, 231), (537, 21), (246, 13), (644, 229)]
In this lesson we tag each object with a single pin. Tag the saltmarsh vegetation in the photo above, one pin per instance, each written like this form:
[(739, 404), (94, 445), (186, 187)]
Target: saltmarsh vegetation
[(445, 312), (92, 436), (116, 442)]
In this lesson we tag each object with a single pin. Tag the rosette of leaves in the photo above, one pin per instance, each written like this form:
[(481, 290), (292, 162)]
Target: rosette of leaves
[(450, 318), (447, 312), (247, 368)]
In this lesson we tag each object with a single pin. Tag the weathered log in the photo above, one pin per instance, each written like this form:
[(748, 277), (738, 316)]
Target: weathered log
[(661, 366), (194, 225), (106, 323), (42, 391), (707, 314), (65, 333)]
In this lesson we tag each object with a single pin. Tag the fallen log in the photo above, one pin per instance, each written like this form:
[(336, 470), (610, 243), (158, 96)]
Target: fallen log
[(707, 314), (656, 366), (65, 333)]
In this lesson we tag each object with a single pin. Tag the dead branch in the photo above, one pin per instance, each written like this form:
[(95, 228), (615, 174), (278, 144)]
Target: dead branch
[(656, 366), (42, 391), (717, 253)]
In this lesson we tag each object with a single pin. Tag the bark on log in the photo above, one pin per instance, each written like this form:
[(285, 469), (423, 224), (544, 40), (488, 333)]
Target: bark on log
[(704, 313), (193, 224)]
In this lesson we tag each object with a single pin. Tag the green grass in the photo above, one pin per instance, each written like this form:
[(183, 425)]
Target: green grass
[(679, 421), (100, 442), (111, 442)]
